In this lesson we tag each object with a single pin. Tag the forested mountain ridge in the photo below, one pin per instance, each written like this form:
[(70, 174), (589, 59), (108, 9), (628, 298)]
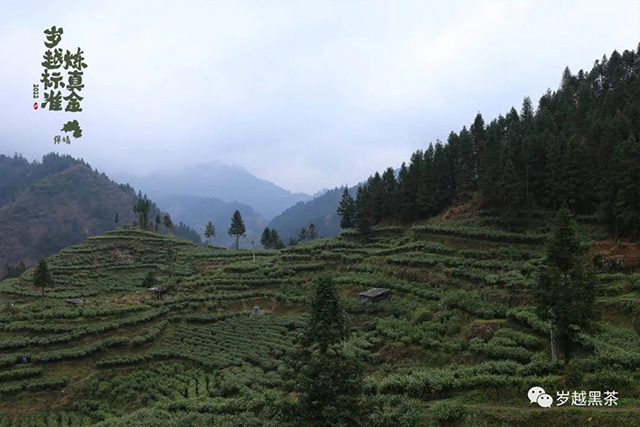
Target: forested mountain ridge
[(47, 206), (17, 174), (321, 211), (580, 148)]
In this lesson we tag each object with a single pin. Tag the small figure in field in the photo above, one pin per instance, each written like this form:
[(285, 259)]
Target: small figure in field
[(25, 358)]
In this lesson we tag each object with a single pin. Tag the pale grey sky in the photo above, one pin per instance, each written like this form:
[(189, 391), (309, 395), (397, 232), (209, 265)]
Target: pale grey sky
[(307, 94)]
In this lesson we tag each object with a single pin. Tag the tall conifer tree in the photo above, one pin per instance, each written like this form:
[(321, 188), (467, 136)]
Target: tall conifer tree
[(566, 288), (237, 228)]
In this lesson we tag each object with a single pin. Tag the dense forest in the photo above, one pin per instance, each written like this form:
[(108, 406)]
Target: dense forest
[(579, 148), (17, 174)]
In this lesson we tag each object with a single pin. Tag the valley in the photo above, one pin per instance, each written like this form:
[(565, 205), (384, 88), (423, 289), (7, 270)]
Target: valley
[(459, 341)]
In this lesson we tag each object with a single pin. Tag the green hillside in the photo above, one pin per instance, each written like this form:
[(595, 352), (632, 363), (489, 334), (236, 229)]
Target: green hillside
[(458, 343), (49, 205)]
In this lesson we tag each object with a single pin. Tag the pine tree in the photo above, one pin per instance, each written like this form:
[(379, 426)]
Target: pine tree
[(455, 169), (466, 163), (303, 235), (376, 200), (158, 221), (626, 202), (404, 194), (573, 190), (510, 191), (275, 242), (168, 223), (513, 137), (412, 186), (116, 220), (362, 218), (237, 228), (442, 187), (313, 233), (478, 142), (425, 198), (42, 276), (328, 381), (390, 194), (142, 207), (492, 164), (210, 231), (527, 117), (274, 238), (346, 210), (539, 140), (327, 324), (566, 288), (265, 239)]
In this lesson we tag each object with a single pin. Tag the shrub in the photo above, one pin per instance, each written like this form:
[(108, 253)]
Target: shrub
[(480, 233), (447, 410), (473, 302), (608, 380), (32, 385), (421, 314), (20, 373), (528, 316)]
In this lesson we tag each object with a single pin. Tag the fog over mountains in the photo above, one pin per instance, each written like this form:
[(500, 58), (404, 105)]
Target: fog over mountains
[(196, 211), (220, 181)]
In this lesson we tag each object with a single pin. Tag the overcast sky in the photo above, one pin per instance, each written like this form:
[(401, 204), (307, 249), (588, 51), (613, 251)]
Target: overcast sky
[(307, 94)]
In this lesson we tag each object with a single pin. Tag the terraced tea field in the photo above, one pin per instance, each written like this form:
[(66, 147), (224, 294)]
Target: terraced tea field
[(459, 342)]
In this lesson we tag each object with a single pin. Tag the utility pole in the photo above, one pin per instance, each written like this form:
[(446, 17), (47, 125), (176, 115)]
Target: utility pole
[(254, 251)]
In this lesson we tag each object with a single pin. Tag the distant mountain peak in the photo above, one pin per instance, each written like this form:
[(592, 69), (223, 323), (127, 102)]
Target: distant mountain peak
[(320, 193), (214, 179)]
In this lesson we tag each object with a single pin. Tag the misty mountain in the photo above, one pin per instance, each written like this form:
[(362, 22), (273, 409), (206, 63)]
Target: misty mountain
[(319, 193), (321, 211), (197, 211), (224, 182)]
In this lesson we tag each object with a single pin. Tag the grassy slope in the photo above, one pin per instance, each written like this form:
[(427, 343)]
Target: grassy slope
[(458, 339)]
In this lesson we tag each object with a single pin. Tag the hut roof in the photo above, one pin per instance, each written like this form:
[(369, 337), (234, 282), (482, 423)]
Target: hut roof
[(372, 293)]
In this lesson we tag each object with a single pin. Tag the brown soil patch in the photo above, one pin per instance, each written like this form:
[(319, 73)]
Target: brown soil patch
[(624, 255), (483, 328), (397, 351), (464, 211)]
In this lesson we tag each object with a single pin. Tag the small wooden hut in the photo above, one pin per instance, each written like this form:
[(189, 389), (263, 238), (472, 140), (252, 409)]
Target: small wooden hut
[(375, 295)]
